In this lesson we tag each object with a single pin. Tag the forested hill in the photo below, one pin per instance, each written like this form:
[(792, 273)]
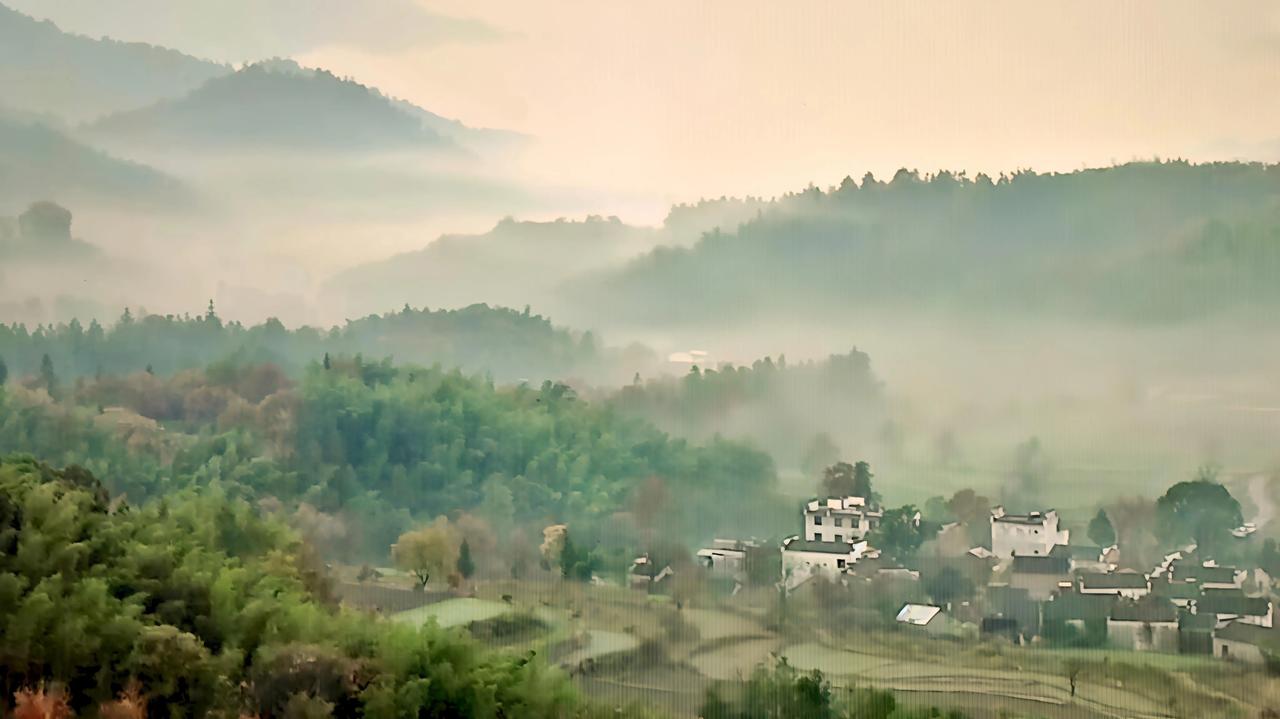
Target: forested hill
[(803, 413), (196, 606), (375, 447), (1150, 241), (275, 105), (77, 78), (507, 344)]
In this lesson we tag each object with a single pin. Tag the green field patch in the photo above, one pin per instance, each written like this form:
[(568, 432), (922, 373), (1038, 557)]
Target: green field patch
[(600, 643), (454, 612), (734, 660), (832, 661)]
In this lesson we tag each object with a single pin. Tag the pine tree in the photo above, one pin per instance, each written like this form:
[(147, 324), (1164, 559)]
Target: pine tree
[(1101, 532), (466, 567), (327, 363), (47, 377), (4, 372)]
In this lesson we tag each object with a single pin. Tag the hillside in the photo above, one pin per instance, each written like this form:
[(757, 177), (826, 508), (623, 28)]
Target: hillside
[(1125, 243), (38, 162), (514, 263), (78, 78), (274, 105)]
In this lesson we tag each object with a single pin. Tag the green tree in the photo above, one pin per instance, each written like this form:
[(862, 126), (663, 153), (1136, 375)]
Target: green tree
[(1101, 532), (900, 533), (1200, 510), (862, 480), (466, 567), (4, 372), (426, 551), (47, 376), (948, 585)]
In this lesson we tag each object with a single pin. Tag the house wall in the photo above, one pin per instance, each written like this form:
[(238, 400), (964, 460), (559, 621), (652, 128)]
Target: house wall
[(1143, 636), (851, 528), (1008, 538), (816, 561), (1237, 652)]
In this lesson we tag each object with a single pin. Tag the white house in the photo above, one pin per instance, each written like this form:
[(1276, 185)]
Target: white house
[(839, 519), (1033, 534), (726, 557), (803, 558), (924, 616)]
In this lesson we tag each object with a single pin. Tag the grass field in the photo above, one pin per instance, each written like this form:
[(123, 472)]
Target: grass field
[(454, 612)]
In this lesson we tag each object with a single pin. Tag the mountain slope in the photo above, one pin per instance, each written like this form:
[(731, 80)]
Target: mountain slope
[(515, 263), (274, 104), (38, 162), (1093, 243), (77, 78)]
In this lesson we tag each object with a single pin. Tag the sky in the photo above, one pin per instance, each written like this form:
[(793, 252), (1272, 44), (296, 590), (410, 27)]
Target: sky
[(671, 100)]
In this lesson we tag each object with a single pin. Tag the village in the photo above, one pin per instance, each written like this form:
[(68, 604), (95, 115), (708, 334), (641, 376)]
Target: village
[(1029, 584)]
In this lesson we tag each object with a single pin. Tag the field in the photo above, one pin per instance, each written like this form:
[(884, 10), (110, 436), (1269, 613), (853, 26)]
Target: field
[(623, 647)]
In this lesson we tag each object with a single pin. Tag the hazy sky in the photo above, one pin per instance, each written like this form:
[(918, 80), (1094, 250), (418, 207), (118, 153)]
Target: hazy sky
[(673, 99)]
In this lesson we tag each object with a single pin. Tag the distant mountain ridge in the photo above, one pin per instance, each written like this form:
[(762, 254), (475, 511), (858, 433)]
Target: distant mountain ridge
[(39, 162), (76, 78), (279, 104)]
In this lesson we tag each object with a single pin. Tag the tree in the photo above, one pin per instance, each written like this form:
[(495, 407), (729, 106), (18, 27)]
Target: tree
[(1101, 532), (948, 585), (900, 532), (47, 377), (844, 480), (4, 372), (1200, 510), (425, 551), (328, 363), (575, 563), (466, 567)]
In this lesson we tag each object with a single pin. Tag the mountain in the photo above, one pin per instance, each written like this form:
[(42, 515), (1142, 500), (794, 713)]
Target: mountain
[(274, 104), (38, 162), (515, 263), (77, 78), (1145, 241)]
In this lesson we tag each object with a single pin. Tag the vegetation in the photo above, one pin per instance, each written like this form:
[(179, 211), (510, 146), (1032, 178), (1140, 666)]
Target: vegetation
[(193, 605)]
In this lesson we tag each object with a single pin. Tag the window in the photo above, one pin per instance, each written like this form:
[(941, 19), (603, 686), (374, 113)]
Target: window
[(840, 564), (839, 522), (817, 521)]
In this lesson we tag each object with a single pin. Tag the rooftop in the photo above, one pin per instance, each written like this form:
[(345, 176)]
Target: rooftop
[(1250, 634), (1066, 607), (796, 544), (918, 614), (1115, 580), (1049, 564), (1031, 518), (1233, 603), (1150, 609)]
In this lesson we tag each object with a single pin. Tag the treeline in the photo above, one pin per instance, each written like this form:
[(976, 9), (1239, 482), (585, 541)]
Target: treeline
[(779, 406), (508, 344), (194, 606), (377, 447), (1144, 241)]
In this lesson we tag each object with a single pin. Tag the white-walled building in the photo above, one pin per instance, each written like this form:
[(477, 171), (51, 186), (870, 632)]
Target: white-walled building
[(726, 557), (839, 519), (1033, 534), (803, 558)]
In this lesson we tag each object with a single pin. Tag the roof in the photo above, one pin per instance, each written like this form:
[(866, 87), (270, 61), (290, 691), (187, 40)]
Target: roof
[(1115, 580), (1067, 607), (1233, 603), (1250, 634), (805, 545), (918, 614), (1188, 622), (1032, 518), (1049, 564), (1176, 590), (1150, 609), (1216, 575)]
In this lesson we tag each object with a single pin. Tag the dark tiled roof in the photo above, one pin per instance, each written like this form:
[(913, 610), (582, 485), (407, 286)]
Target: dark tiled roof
[(1268, 639), (1150, 609), (1188, 622), (1116, 580), (1080, 551), (1073, 606), (804, 545), (1232, 603), (1050, 564), (1216, 575), (1176, 590), (1036, 519)]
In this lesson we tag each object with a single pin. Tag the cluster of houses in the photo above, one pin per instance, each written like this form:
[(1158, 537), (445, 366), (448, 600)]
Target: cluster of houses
[(1036, 583)]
